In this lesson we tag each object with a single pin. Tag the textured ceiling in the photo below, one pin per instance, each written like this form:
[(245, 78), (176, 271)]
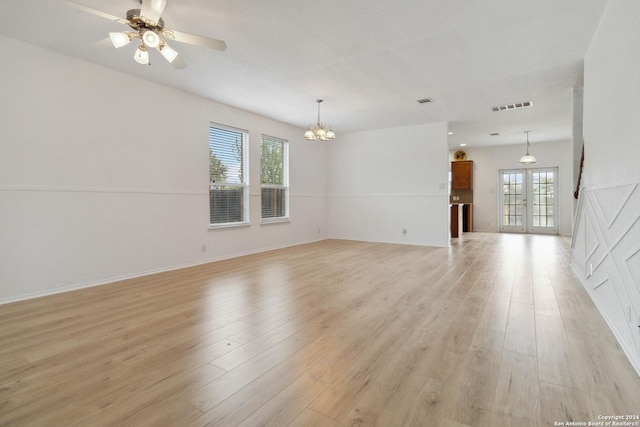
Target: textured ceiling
[(369, 60)]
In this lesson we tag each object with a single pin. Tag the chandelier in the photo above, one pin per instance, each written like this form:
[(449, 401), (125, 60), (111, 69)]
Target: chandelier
[(149, 34), (527, 159), (318, 132)]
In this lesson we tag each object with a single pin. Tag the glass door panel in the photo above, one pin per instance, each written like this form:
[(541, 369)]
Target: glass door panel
[(527, 201), (543, 213), (512, 199)]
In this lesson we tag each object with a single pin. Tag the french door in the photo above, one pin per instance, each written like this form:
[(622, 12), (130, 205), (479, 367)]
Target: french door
[(528, 202)]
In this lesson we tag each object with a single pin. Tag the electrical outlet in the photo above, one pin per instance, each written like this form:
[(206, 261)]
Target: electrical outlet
[(404, 231), (203, 248)]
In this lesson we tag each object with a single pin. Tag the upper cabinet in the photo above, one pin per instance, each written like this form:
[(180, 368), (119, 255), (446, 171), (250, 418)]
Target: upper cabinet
[(462, 175)]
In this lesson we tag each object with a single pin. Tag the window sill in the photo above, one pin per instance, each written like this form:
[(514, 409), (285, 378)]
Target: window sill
[(280, 220), (229, 225)]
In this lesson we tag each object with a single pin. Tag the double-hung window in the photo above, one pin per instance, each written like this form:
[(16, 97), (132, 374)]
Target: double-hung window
[(274, 171), (228, 188)]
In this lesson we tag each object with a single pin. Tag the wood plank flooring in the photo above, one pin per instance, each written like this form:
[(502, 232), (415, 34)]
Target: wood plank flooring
[(494, 331)]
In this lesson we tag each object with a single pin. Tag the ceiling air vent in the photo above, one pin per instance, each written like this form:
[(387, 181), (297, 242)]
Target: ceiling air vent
[(514, 106), (425, 100)]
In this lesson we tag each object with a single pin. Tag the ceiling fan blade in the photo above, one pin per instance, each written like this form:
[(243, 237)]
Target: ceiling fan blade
[(195, 40), (151, 10), (96, 12)]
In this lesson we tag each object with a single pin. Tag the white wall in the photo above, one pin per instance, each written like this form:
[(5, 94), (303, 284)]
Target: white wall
[(607, 236), (105, 176), (385, 181), (487, 161)]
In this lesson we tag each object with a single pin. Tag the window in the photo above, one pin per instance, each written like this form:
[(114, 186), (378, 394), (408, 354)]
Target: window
[(274, 165), (228, 189)]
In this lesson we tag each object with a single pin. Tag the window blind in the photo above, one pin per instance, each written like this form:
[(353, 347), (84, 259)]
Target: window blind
[(228, 201), (274, 177)]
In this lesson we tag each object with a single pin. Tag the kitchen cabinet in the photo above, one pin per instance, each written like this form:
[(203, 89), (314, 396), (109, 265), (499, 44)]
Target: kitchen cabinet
[(462, 175)]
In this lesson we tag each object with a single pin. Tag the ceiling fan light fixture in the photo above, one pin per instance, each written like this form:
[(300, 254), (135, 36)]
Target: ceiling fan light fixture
[(146, 24), (120, 39), (151, 39), (169, 54), (142, 55)]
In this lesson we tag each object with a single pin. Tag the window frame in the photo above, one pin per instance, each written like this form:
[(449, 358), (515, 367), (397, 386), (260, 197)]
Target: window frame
[(244, 185), (285, 178)]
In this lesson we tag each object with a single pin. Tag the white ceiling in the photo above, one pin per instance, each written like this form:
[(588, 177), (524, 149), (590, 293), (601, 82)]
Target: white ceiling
[(370, 60)]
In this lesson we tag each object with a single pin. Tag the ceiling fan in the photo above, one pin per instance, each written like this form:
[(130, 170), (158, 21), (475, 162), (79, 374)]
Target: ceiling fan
[(147, 26)]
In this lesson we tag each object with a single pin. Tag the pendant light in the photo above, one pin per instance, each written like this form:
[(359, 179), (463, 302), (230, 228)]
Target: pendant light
[(319, 132), (527, 159)]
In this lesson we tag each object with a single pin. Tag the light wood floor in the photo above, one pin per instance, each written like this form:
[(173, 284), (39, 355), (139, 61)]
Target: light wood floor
[(494, 331)]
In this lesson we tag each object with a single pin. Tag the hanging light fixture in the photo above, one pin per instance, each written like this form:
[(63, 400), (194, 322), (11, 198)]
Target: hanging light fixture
[(319, 132), (527, 159)]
